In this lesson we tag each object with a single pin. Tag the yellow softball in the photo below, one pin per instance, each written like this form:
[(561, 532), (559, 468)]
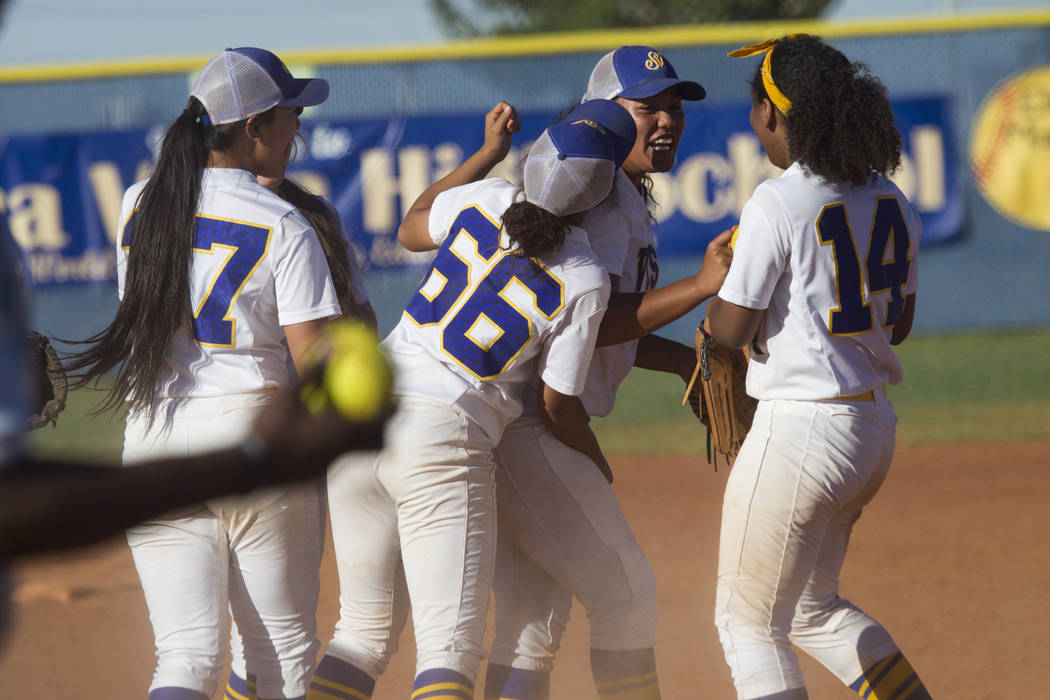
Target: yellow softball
[(357, 378)]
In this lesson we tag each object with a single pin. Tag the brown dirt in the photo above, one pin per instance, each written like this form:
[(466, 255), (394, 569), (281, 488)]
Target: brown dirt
[(951, 557)]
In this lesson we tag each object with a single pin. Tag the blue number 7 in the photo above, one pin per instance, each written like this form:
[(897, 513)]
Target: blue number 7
[(213, 325)]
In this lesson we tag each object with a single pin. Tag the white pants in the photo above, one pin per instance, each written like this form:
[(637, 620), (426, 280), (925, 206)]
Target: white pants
[(427, 502), (256, 556), (563, 534), (804, 472)]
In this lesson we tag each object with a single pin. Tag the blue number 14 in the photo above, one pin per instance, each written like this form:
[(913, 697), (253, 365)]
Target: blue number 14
[(886, 263)]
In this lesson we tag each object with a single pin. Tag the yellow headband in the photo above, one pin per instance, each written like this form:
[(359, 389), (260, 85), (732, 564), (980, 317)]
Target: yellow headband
[(778, 98)]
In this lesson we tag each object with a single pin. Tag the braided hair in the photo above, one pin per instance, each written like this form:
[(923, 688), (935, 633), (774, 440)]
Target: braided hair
[(840, 125)]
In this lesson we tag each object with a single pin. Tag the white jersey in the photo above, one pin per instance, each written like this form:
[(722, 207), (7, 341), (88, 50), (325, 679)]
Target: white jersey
[(622, 237), (831, 265), (485, 320), (256, 266)]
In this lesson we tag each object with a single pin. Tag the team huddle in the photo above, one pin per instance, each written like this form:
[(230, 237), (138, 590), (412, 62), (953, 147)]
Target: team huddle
[(538, 302)]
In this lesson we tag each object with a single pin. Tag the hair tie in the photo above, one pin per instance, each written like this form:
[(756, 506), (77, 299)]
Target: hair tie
[(778, 98), (204, 119)]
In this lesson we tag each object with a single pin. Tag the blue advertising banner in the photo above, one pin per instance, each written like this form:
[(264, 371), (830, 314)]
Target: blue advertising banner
[(61, 193)]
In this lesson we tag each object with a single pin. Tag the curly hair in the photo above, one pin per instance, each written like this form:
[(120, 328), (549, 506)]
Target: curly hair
[(840, 125), (536, 231)]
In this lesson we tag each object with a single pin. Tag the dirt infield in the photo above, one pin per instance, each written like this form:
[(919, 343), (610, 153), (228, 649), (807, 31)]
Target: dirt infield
[(951, 556)]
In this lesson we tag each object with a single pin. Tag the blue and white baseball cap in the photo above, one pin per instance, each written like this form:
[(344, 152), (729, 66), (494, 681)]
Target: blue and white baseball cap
[(572, 165), (240, 83), (637, 72)]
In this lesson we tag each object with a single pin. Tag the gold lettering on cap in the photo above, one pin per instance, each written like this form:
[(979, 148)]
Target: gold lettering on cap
[(591, 124), (655, 61)]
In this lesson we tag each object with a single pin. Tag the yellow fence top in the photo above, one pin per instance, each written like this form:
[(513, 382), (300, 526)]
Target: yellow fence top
[(555, 43)]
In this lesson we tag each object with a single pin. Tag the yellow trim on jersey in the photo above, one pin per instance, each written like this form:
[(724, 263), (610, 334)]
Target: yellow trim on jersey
[(338, 687), (233, 297), (204, 300), (521, 312), (862, 269), (444, 686), (546, 44), (485, 346), (433, 275), (890, 239), (467, 286), (123, 227), (561, 291)]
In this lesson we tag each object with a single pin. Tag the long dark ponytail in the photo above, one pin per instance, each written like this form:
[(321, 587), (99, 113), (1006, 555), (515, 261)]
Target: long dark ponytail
[(329, 231), (156, 300)]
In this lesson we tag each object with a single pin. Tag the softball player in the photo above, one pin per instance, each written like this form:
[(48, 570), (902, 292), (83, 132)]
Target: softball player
[(562, 533), (514, 291), (822, 284), (206, 330), (353, 299)]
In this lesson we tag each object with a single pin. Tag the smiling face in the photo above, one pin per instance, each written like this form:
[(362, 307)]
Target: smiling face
[(660, 120)]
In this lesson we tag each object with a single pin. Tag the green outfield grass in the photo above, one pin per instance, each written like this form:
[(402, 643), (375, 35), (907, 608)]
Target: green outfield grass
[(991, 387)]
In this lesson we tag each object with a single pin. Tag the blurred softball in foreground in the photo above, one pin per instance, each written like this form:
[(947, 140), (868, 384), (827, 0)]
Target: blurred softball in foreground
[(357, 377)]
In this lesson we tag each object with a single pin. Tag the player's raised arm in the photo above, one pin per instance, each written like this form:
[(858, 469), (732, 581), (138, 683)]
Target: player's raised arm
[(500, 123)]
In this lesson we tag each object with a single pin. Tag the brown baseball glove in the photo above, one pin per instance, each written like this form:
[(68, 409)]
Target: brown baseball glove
[(50, 381), (719, 399)]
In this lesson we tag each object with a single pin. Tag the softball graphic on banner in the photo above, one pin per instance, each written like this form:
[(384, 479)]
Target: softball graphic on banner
[(1010, 148)]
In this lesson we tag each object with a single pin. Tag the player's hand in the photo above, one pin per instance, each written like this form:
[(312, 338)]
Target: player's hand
[(500, 123), (299, 444), (716, 263)]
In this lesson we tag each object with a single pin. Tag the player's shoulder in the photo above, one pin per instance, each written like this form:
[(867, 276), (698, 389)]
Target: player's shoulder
[(624, 207), (133, 193), (492, 195), (791, 183), (885, 187), (235, 195), (577, 262)]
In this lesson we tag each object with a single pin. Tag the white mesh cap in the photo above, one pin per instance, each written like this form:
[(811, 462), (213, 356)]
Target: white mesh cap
[(239, 83), (637, 72), (572, 165)]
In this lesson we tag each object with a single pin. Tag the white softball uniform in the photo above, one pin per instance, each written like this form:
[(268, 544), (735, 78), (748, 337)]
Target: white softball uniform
[(483, 321), (256, 266), (831, 265), (561, 530)]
